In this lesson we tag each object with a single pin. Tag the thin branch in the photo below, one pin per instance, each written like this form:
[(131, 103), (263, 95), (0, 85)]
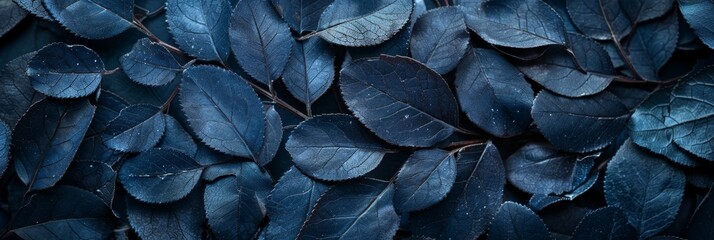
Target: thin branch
[(278, 101), (110, 72), (167, 105), (140, 26)]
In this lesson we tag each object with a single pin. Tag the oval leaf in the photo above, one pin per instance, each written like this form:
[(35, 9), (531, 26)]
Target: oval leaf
[(425, 179), (605, 223), (698, 15), (273, 136), (65, 71), (387, 95), (95, 19), (160, 175), (600, 19), (439, 39), (182, 219), (200, 28), (136, 129), (150, 64), (363, 23), (652, 44), (691, 109), (516, 222), (310, 71)]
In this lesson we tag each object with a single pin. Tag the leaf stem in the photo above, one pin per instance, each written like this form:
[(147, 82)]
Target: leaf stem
[(140, 26), (167, 105), (309, 35), (110, 72), (277, 100)]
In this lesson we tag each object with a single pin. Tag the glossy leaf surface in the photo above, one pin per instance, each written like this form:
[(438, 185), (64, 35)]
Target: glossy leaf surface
[(65, 71), (363, 23), (200, 27), (160, 175)]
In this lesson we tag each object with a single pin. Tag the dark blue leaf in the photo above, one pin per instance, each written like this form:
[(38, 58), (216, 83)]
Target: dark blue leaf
[(538, 202), (5, 138), (35, 7), (334, 147), (492, 92), (652, 44), (643, 10), (136, 129), (207, 156), (200, 28), (260, 40), (16, 93), (424, 180), (363, 23), (698, 15), (177, 138), (397, 45), (92, 148), (649, 128), (580, 124), (177, 220), (517, 23), (515, 222), (96, 177), (310, 71), (541, 169), (590, 72), (600, 19), (273, 136), (358, 210), (95, 19), (605, 223), (235, 205), (699, 225), (63, 212), (301, 15), (160, 175), (473, 200), (47, 137), (150, 64), (647, 188), (65, 71), (440, 39), (134, 93), (290, 203), (225, 113), (560, 7), (11, 15), (388, 95)]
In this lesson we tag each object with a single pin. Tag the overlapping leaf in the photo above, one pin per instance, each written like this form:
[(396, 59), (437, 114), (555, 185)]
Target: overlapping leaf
[(310, 71), (182, 219), (150, 64), (200, 28), (35, 7), (652, 45), (17, 94), (137, 128), (65, 71), (363, 23), (160, 175), (515, 222), (696, 12), (11, 15), (301, 15), (95, 19), (605, 223), (439, 39), (425, 179), (600, 19)]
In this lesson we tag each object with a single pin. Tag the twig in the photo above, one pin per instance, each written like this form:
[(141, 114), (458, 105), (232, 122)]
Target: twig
[(110, 72)]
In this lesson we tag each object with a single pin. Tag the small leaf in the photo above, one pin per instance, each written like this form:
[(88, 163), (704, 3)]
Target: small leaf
[(150, 64), (492, 92), (16, 93), (65, 71), (310, 71), (235, 205), (647, 189), (182, 219), (35, 7), (225, 113), (473, 200), (63, 212), (605, 223), (652, 44), (200, 28), (290, 203), (11, 14), (698, 15), (96, 177), (600, 19), (388, 95), (440, 39), (137, 128), (260, 40), (334, 147), (517, 23), (301, 15), (160, 175), (643, 10), (177, 138), (273, 136), (5, 138), (363, 23), (424, 180), (579, 124), (358, 210), (48, 136), (515, 222), (95, 19)]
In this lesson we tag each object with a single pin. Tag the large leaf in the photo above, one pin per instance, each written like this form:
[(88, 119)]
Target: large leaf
[(200, 27), (225, 113), (652, 44), (472, 201), (182, 220), (541, 169), (643, 10), (63, 212), (47, 137), (35, 7), (492, 92), (65, 71), (301, 15), (363, 23), (310, 71), (605, 223), (136, 129), (235, 205), (160, 175), (150, 64), (388, 95), (580, 124), (647, 188), (95, 19), (517, 23), (439, 39), (16, 93), (290, 203), (11, 15), (425, 179), (600, 19), (698, 15), (334, 147), (516, 222), (260, 40), (358, 210)]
